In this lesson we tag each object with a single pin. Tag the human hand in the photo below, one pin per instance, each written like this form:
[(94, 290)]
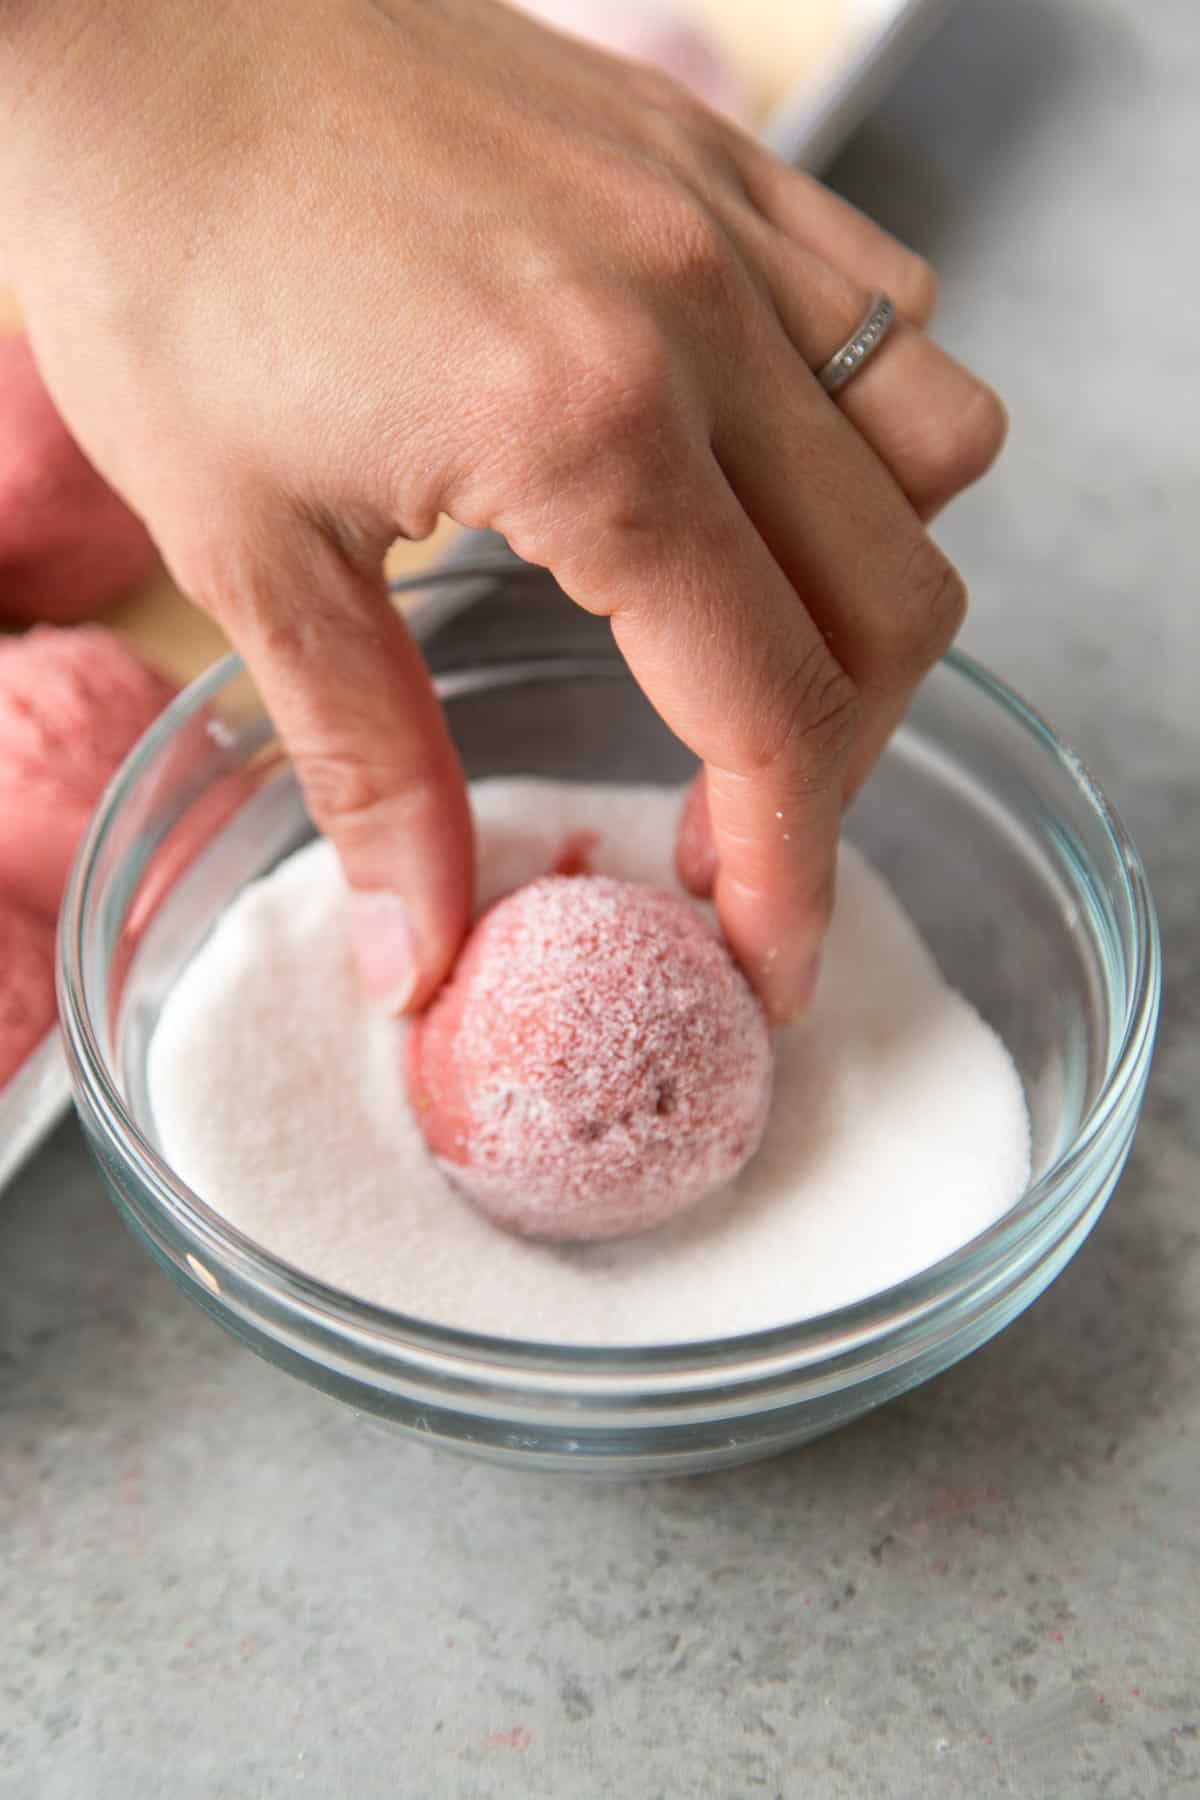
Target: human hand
[(310, 273)]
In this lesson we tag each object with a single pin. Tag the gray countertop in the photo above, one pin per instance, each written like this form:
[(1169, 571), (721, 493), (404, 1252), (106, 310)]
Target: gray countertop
[(214, 1582)]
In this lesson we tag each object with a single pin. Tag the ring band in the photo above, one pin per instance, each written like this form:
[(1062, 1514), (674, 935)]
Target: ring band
[(879, 318)]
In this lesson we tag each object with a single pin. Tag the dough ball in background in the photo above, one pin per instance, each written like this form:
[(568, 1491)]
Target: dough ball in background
[(73, 702), (26, 983), (68, 543)]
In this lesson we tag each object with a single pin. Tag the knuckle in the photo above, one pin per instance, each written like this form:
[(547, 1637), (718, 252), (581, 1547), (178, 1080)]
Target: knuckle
[(608, 401), (685, 120), (624, 391), (238, 579), (930, 609), (659, 91), (814, 720), (694, 251), (695, 270), (361, 799), (344, 788), (207, 573), (596, 355)]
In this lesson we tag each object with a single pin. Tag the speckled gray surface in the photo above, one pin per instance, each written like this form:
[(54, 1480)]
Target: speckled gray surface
[(215, 1583)]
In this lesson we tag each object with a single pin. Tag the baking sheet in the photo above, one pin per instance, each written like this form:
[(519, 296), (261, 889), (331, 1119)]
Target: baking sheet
[(839, 57)]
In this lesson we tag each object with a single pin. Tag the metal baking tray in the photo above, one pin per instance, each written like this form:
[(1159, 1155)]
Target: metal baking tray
[(874, 41)]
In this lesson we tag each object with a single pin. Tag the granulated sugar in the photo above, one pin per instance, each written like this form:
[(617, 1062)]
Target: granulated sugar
[(898, 1128)]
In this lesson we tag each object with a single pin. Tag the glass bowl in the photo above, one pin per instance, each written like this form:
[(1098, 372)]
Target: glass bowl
[(991, 832)]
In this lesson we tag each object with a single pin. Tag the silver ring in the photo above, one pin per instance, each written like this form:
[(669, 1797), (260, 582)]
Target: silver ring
[(878, 320)]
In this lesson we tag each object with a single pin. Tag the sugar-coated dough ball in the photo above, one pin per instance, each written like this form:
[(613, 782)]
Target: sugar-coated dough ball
[(596, 1062)]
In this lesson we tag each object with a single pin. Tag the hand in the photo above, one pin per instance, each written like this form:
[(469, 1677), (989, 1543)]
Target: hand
[(343, 265)]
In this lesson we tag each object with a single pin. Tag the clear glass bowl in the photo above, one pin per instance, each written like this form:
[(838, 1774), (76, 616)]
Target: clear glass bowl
[(995, 838)]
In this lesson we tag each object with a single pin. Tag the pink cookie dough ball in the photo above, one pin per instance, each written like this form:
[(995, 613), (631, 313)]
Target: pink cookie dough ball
[(595, 1064), (72, 703), (649, 32), (27, 1008), (68, 544)]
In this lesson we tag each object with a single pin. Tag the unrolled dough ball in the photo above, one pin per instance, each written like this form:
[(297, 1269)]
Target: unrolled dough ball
[(68, 544)]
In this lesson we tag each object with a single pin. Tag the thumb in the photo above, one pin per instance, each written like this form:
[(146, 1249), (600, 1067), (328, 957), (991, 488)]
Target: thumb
[(352, 699), (695, 845)]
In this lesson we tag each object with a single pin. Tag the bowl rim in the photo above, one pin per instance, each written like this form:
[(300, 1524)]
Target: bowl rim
[(806, 1342)]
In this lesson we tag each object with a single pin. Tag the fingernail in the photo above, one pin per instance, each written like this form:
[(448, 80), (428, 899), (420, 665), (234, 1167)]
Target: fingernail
[(385, 948)]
